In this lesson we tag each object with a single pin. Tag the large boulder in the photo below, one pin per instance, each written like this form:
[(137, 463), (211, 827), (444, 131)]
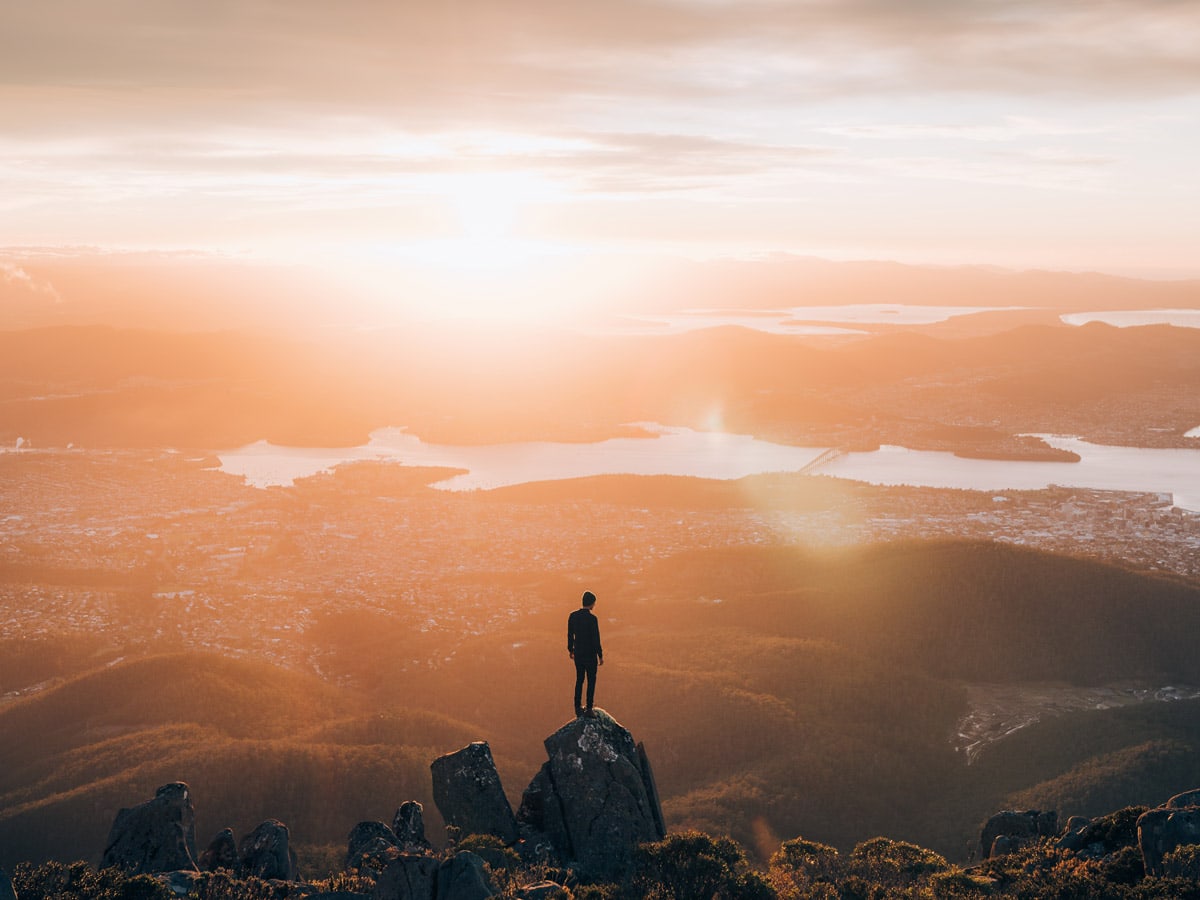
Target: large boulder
[(6, 887), (266, 852), (463, 877), (1163, 830), (467, 791), (156, 836), (221, 853), (408, 825), (594, 800), (1018, 829), (407, 877)]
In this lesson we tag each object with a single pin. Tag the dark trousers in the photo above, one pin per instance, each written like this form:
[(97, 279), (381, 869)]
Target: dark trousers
[(585, 667)]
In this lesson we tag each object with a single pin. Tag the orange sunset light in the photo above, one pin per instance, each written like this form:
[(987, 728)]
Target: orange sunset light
[(636, 448), (482, 153)]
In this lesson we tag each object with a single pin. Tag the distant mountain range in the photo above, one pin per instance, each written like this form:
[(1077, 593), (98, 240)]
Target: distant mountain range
[(923, 388)]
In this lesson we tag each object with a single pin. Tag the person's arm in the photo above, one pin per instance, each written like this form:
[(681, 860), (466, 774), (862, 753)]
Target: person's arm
[(599, 649), (571, 636)]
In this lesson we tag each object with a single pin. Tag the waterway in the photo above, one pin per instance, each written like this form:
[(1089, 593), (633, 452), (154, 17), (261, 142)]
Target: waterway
[(718, 455), (801, 319), (1126, 318)]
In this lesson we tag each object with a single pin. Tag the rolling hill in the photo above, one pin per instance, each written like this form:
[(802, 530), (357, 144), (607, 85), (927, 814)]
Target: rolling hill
[(779, 692)]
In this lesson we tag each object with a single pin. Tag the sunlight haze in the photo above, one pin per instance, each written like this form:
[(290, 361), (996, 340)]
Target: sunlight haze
[(838, 361), (487, 137)]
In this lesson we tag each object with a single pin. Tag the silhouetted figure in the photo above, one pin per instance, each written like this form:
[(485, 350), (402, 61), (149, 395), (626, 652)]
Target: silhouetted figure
[(583, 646)]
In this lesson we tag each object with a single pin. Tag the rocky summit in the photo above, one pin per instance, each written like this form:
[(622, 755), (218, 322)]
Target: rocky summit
[(156, 836), (594, 799)]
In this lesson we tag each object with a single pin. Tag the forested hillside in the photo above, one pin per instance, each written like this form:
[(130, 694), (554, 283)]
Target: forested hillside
[(779, 692)]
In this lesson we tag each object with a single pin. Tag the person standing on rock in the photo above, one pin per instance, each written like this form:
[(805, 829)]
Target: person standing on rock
[(583, 646)]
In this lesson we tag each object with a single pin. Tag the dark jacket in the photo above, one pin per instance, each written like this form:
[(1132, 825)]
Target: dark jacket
[(583, 635)]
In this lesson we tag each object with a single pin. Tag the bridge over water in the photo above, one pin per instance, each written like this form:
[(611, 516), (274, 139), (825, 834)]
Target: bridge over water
[(828, 456)]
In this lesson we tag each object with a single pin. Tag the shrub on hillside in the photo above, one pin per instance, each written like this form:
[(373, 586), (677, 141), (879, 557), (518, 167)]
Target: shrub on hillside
[(897, 863), (79, 881), (691, 865), (802, 868), (1183, 862)]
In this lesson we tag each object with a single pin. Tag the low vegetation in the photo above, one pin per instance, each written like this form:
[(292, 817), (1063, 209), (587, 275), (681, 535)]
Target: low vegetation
[(691, 865)]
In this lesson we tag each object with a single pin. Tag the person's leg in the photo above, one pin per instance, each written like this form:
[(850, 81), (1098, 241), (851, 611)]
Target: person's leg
[(591, 680), (580, 670)]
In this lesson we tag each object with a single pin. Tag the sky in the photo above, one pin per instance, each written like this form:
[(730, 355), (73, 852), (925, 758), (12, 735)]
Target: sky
[(485, 136)]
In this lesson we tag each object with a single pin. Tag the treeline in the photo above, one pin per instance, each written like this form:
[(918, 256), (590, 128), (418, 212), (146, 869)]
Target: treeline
[(1097, 760)]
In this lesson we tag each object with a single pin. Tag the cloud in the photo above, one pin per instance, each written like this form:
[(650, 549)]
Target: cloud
[(17, 276), (245, 122), (431, 66), (1010, 128)]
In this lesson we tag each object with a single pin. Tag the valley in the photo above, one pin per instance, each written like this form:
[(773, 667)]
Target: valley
[(802, 654)]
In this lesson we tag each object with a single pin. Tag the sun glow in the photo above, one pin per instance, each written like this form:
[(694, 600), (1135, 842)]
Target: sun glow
[(485, 211), (480, 264), (486, 205), (479, 260)]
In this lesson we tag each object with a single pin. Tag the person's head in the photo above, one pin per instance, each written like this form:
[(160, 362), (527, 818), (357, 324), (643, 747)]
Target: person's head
[(589, 599)]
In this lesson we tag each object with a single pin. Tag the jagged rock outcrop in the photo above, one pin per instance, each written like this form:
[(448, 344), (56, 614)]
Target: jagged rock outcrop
[(371, 840), (266, 852), (221, 853), (1017, 829), (468, 793), (1163, 830), (408, 877), (408, 825), (595, 798), (156, 836), (412, 876), (6, 887), (463, 877)]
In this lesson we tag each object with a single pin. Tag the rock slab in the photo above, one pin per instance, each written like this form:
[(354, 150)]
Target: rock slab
[(468, 793), (463, 877), (408, 825), (1163, 830), (408, 877), (595, 798), (266, 852), (156, 836)]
